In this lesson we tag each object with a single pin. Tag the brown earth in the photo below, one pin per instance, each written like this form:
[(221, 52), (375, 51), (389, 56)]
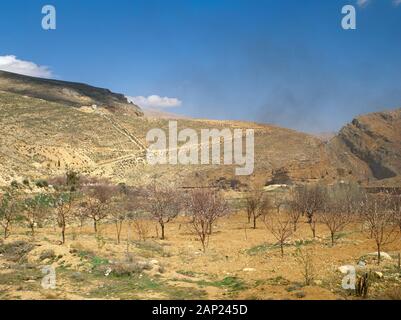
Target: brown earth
[(240, 263)]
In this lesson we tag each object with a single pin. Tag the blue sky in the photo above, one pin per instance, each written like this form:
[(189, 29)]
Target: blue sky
[(286, 62)]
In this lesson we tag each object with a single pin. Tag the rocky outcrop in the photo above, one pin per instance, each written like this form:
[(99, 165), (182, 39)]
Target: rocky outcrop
[(370, 146), (66, 93)]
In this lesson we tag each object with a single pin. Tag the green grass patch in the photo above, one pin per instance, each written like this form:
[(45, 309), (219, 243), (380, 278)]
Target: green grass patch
[(139, 286)]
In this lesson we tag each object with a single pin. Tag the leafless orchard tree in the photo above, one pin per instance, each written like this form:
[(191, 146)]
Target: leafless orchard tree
[(35, 210), (295, 208), (257, 205), (164, 203), (141, 224), (63, 206), (80, 214), (8, 212), (98, 201), (309, 200), (341, 207), (124, 208), (204, 207), (280, 226), (379, 221), (305, 258), (334, 217)]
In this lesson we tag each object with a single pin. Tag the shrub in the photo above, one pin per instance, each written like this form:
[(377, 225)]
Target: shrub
[(14, 184), (16, 251), (47, 254), (42, 184)]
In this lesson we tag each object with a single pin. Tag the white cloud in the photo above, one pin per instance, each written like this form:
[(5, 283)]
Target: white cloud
[(155, 101), (12, 64), (396, 2)]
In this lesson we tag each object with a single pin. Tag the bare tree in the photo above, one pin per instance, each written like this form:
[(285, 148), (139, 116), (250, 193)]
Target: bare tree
[(304, 257), (163, 203), (8, 211), (205, 207), (123, 208), (63, 204), (309, 200), (280, 226), (140, 222), (257, 205), (341, 206), (80, 214), (35, 210), (335, 218), (98, 201), (379, 221)]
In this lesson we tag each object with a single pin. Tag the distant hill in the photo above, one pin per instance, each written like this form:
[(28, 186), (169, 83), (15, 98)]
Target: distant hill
[(159, 114), (49, 126), (67, 93)]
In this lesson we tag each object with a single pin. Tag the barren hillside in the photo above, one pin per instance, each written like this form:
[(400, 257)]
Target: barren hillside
[(370, 146), (47, 126)]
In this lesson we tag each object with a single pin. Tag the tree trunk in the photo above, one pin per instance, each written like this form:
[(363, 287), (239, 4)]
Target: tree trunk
[(332, 239), (118, 227), (254, 222), (313, 227), (378, 253), (63, 234), (33, 231), (95, 225), (162, 227), (282, 249)]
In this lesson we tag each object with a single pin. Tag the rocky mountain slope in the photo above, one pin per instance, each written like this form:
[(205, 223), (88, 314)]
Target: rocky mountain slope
[(67, 93), (48, 126), (370, 146)]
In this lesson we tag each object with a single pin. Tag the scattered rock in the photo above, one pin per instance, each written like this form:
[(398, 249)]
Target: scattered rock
[(383, 255), (300, 294), (379, 274), (294, 287), (77, 276), (154, 261), (318, 282), (249, 269)]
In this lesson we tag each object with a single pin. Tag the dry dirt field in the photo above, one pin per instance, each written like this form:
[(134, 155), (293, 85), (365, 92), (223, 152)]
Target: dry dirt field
[(240, 263)]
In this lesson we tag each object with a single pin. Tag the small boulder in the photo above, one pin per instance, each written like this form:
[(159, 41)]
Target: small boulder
[(379, 274), (300, 294), (249, 269), (383, 255)]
